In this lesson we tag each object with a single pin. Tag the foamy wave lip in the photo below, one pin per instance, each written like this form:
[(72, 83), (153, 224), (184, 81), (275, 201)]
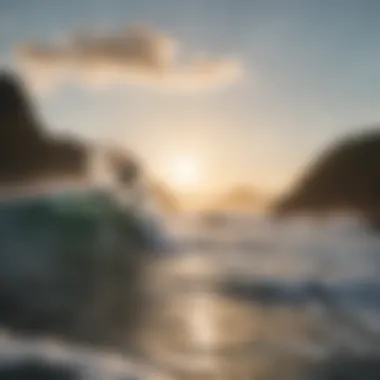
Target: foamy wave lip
[(56, 360)]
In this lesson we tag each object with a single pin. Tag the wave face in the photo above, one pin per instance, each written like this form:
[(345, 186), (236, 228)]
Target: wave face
[(247, 298), (69, 265)]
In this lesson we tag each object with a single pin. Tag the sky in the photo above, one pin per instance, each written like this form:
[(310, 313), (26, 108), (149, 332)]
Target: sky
[(249, 90)]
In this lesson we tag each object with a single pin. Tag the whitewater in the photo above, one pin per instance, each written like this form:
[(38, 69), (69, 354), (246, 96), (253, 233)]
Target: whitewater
[(251, 298)]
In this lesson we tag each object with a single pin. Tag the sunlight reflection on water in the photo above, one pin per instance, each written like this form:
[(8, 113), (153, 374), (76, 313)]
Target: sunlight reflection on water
[(241, 314)]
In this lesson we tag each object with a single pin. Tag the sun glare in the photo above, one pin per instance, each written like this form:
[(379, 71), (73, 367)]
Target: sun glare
[(185, 173)]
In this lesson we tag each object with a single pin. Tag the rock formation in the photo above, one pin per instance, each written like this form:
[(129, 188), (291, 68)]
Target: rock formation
[(346, 177)]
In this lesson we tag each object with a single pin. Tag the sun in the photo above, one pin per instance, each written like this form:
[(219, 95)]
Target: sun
[(184, 173)]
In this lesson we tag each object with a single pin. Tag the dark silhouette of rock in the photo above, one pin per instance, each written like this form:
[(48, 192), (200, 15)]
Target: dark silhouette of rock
[(345, 178), (128, 170), (26, 151)]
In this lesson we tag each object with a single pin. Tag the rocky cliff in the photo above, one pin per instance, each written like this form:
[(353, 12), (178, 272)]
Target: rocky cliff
[(346, 177)]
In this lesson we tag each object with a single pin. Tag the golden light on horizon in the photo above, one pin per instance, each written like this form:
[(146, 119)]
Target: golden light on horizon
[(185, 173)]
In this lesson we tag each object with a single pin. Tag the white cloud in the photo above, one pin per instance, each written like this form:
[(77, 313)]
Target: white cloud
[(137, 56)]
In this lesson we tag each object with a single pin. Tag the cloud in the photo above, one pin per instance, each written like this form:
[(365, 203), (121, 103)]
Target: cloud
[(135, 56)]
